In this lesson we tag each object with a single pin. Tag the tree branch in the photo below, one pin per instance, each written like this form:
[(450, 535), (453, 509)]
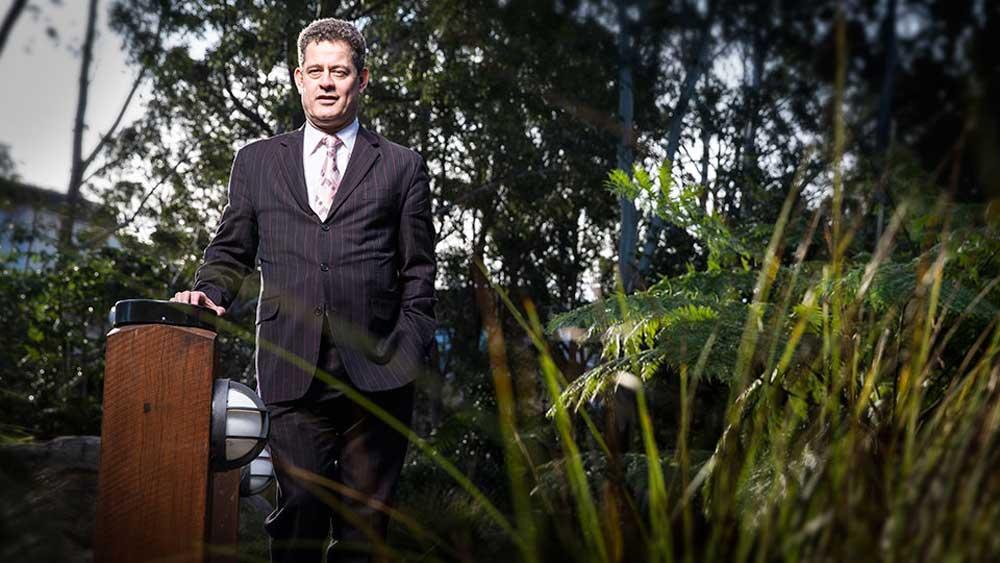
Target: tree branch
[(490, 185), (104, 168), (10, 19), (118, 119), (383, 96), (246, 112), (142, 203), (694, 72), (79, 124)]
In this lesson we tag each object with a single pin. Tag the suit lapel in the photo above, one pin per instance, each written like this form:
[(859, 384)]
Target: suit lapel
[(293, 168), (364, 155)]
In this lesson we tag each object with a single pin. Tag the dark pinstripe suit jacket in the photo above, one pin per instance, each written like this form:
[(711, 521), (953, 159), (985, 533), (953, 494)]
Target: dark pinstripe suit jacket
[(370, 265)]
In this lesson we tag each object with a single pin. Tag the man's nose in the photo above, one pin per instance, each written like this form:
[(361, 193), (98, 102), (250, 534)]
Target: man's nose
[(326, 80)]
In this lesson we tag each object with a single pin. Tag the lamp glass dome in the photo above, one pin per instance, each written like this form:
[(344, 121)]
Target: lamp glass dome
[(240, 425), (258, 475), (244, 422)]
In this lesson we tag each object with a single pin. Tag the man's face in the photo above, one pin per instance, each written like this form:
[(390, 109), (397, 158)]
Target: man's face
[(330, 85)]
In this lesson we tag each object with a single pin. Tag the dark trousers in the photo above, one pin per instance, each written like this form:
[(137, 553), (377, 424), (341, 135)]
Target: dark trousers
[(336, 466)]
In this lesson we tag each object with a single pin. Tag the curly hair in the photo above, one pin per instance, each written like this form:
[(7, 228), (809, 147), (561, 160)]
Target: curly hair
[(332, 29)]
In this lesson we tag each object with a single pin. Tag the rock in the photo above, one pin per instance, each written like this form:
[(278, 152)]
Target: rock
[(49, 491)]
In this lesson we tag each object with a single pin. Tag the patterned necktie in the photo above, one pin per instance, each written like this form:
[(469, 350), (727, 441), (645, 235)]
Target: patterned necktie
[(329, 176)]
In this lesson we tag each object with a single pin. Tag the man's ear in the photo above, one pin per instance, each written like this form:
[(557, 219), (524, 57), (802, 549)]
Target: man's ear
[(364, 75), (298, 78)]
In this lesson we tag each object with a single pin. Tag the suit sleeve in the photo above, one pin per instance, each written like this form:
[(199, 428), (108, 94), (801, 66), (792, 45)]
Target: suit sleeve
[(230, 256), (417, 264)]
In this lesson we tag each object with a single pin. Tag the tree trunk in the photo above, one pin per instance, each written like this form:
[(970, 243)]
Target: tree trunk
[(9, 20), (79, 124), (297, 13), (328, 9), (629, 215), (884, 128), (613, 493), (748, 150), (885, 98), (706, 140), (694, 72)]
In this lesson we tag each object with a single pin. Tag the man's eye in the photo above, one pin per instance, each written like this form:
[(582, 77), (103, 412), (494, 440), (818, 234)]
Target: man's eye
[(314, 73)]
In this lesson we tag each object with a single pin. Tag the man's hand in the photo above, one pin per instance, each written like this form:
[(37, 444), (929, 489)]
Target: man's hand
[(197, 298)]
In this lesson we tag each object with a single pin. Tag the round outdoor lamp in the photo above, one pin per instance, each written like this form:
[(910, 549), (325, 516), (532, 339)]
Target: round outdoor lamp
[(258, 476), (240, 424)]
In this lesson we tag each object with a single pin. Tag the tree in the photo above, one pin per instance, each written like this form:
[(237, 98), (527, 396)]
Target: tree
[(883, 128), (8, 169), (83, 89), (13, 14), (629, 224), (80, 164), (694, 68)]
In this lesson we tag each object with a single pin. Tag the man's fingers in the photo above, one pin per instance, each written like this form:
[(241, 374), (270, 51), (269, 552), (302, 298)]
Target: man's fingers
[(197, 298), (204, 301), (182, 297)]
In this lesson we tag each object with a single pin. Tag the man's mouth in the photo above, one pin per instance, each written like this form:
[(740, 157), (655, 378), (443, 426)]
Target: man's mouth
[(330, 99)]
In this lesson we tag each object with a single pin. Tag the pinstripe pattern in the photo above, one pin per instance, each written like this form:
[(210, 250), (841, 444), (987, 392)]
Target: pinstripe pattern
[(370, 265), (327, 434)]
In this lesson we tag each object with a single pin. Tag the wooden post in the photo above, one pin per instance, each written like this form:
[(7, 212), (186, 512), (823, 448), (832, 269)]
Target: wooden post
[(157, 497)]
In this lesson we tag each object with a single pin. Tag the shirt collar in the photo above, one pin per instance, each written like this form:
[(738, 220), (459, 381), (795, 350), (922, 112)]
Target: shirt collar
[(314, 136)]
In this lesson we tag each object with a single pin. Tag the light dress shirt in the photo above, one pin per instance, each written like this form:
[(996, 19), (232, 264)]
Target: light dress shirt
[(314, 154)]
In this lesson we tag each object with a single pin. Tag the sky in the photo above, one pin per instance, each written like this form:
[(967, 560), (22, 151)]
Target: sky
[(38, 87)]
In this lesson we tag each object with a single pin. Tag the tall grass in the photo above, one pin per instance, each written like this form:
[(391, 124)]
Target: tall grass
[(858, 426)]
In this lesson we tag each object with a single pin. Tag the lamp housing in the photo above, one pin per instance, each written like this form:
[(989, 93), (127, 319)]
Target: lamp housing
[(240, 425), (258, 475)]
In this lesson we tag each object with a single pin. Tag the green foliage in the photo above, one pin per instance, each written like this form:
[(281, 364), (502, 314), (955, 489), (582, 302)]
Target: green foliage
[(52, 336), (682, 207), (668, 325), (864, 373), (52, 378)]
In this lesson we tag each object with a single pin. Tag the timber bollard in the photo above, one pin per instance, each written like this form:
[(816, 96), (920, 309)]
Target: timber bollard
[(173, 438)]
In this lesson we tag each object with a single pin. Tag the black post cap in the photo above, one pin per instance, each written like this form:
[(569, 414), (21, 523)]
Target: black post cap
[(156, 311)]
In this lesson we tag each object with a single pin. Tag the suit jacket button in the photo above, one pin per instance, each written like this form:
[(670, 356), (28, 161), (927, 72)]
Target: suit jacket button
[(318, 312), (324, 267), (325, 227)]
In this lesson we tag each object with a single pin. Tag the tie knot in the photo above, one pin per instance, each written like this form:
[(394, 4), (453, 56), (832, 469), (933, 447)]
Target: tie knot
[(332, 141)]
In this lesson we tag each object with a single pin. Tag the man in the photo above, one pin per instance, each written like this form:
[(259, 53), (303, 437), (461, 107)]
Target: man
[(338, 219)]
